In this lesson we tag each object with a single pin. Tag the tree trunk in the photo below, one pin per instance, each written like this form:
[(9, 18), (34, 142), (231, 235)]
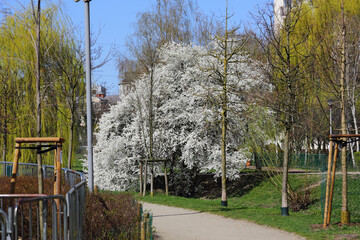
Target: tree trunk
[(345, 215), (353, 110), (223, 159), (71, 136), (5, 131), (4, 147), (151, 115), (38, 98), (224, 202), (38, 109), (257, 160), (145, 178), (284, 190)]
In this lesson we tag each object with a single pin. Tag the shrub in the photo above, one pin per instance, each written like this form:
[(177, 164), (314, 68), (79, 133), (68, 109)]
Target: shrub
[(29, 185), (111, 216), (300, 200)]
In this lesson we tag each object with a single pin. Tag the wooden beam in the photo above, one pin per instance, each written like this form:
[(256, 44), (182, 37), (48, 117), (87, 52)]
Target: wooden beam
[(40, 139), (332, 183), (328, 186), (57, 171), (335, 136), (15, 167), (153, 160)]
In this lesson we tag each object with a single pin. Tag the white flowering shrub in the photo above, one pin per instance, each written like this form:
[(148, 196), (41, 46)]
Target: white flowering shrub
[(186, 124)]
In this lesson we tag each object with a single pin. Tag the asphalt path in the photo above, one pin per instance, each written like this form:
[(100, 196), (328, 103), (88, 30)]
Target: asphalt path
[(173, 223)]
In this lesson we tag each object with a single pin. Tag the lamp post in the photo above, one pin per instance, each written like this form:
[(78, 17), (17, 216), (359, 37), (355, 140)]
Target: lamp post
[(331, 104), (88, 96)]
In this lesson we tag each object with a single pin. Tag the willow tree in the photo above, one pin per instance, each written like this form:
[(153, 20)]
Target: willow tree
[(68, 89), (22, 34), (339, 52), (8, 99), (60, 60)]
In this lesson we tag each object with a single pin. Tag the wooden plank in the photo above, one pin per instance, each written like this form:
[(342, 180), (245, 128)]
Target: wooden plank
[(22, 195), (153, 160), (332, 184), (39, 139), (57, 183), (343, 135), (328, 186)]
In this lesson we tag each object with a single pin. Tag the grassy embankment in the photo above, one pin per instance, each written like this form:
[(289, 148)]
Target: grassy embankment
[(262, 205)]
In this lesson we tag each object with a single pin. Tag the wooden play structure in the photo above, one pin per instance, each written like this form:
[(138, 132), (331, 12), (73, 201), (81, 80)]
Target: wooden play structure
[(143, 182), (52, 143), (336, 141)]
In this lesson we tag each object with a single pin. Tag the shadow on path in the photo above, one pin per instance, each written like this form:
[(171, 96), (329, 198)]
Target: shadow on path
[(177, 214)]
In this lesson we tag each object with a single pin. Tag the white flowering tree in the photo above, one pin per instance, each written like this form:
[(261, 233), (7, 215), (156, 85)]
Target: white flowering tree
[(185, 124)]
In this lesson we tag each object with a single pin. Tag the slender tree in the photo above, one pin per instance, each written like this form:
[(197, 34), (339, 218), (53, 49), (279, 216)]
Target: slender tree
[(228, 47), (345, 214), (288, 57)]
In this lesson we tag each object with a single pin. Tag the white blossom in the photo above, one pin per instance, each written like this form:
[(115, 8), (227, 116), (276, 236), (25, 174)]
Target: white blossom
[(184, 121)]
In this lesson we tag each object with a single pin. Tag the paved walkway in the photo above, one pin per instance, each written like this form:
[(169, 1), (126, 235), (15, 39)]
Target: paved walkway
[(182, 224)]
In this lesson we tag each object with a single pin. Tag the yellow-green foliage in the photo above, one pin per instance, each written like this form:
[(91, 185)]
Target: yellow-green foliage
[(59, 62)]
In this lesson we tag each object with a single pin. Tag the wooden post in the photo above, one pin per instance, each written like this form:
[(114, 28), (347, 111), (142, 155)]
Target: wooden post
[(57, 176), (145, 178), (57, 184), (166, 180), (141, 169), (55, 171), (15, 168), (332, 183), (328, 185), (152, 180)]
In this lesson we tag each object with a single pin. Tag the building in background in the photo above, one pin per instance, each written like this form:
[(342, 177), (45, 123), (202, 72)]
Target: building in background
[(101, 101), (124, 87), (280, 7)]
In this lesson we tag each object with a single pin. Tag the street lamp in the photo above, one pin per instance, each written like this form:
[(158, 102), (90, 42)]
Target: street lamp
[(88, 95), (331, 104)]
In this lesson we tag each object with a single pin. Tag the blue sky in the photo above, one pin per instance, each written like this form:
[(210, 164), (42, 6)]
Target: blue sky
[(116, 18)]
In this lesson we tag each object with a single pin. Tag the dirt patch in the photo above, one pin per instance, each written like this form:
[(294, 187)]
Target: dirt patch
[(346, 236), (340, 225), (209, 187)]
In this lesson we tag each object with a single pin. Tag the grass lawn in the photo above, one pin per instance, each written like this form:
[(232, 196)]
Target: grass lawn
[(262, 205)]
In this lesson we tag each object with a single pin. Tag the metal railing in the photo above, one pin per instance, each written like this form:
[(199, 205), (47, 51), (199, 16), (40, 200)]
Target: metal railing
[(76, 209), (3, 221), (30, 169), (63, 216)]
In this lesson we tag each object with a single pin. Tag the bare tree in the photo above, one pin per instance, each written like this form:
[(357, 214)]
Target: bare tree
[(287, 57)]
